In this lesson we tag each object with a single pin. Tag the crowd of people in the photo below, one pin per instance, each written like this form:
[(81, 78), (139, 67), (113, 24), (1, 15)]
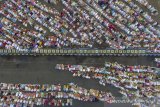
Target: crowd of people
[(133, 81), (29, 95), (33, 24), (158, 62)]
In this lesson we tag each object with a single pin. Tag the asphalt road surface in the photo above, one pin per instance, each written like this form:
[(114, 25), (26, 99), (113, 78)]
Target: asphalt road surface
[(40, 69)]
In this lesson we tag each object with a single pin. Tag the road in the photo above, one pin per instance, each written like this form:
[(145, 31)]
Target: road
[(40, 69)]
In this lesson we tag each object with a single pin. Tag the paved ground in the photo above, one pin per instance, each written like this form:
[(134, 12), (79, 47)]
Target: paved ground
[(40, 69)]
